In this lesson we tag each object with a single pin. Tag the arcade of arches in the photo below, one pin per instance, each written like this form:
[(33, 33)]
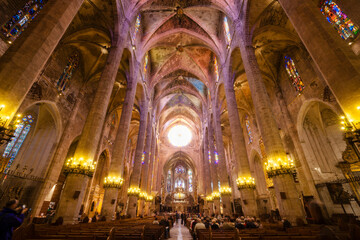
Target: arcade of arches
[(212, 106)]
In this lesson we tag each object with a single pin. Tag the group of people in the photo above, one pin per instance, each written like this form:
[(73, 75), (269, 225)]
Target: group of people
[(217, 222)]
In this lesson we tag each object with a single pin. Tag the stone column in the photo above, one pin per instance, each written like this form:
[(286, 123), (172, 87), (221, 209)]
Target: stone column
[(223, 174), (24, 60), (116, 169), (75, 185), (135, 176), (145, 167), (207, 172), (238, 141), (213, 166), (286, 193), (151, 169), (331, 54), (302, 167), (58, 159)]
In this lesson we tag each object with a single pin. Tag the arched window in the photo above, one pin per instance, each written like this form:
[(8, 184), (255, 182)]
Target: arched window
[(136, 28), (179, 169), (180, 183), (168, 181), (190, 179), (248, 128), (70, 68), (209, 156), (216, 157), (293, 74), (344, 26), (146, 63), (216, 69), (20, 134), (227, 31), (17, 24), (143, 158)]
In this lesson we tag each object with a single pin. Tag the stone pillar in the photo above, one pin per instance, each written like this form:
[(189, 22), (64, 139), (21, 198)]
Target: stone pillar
[(145, 167), (238, 141), (207, 172), (288, 198), (331, 54), (75, 185), (24, 60), (223, 174), (116, 169), (151, 169), (135, 176), (304, 174), (58, 159), (213, 166)]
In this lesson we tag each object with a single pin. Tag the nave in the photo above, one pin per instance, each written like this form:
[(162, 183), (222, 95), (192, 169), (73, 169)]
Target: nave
[(125, 109)]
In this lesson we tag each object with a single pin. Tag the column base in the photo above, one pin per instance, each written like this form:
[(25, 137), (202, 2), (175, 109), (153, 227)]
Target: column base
[(289, 200), (132, 207), (226, 201), (217, 207), (109, 203), (249, 205), (141, 206), (71, 198)]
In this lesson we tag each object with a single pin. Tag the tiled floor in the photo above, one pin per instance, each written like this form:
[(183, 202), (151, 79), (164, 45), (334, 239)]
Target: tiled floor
[(180, 232)]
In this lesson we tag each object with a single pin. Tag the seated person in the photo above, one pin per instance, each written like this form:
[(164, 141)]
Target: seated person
[(214, 224), (227, 225)]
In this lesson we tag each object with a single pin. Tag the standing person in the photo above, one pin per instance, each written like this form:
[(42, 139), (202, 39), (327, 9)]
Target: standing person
[(11, 217)]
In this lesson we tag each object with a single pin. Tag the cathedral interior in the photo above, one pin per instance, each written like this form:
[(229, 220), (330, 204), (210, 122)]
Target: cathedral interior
[(135, 107)]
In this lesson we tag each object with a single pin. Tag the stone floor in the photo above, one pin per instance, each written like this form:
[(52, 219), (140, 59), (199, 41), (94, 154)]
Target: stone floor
[(179, 232)]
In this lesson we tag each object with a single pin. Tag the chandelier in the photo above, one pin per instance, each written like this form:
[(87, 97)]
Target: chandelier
[(7, 127)]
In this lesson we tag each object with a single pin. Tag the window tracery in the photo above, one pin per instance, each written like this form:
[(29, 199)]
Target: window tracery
[(180, 170), (227, 31), (136, 28), (248, 129), (14, 146), (339, 20), (168, 181), (20, 21), (68, 72), (190, 180), (216, 69), (293, 74)]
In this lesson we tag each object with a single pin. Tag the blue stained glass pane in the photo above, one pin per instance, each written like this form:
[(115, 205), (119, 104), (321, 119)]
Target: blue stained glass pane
[(14, 146)]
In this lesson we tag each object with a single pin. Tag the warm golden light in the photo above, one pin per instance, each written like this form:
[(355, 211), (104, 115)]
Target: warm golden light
[(180, 136), (245, 182), (133, 191)]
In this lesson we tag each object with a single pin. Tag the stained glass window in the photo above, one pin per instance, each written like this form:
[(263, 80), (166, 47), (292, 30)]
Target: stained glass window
[(168, 187), (136, 28), (216, 69), (336, 17), (190, 179), (146, 63), (216, 157), (70, 68), (20, 134), (180, 183), (17, 24), (179, 169), (293, 74), (143, 158), (209, 156), (227, 30), (248, 128)]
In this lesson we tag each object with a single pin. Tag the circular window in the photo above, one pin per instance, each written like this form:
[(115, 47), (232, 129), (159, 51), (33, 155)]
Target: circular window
[(180, 136)]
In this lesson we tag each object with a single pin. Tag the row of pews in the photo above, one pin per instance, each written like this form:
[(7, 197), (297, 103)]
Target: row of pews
[(127, 229), (269, 232)]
